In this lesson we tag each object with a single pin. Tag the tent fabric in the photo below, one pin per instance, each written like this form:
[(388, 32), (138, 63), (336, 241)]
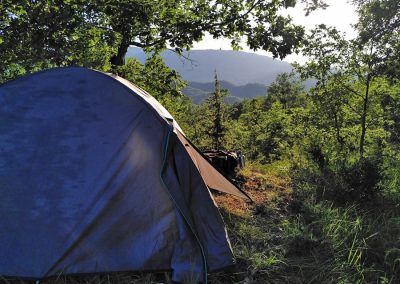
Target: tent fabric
[(212, 176), (95, 176)]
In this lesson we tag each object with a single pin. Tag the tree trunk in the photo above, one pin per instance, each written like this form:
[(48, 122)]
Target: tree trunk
[(364, 116), (119, 58), (337, 128)]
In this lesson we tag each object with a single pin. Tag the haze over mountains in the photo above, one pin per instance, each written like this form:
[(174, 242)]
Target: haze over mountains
[(245, 75)]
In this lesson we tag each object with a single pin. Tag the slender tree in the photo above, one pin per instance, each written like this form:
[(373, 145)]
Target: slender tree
[(347, 64), (218, 111)]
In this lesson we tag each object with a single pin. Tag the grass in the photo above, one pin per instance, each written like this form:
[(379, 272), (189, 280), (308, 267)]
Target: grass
[(356, 237), (290, 237)]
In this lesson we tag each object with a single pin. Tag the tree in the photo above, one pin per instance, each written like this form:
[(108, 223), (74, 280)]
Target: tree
[(379, 26), (155, 24), (348, 65), (160, 81), (41, 34), (218, 114), (286, 89), (264, 135)]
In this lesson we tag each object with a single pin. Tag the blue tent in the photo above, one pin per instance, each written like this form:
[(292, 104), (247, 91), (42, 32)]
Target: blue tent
[(96, 176)]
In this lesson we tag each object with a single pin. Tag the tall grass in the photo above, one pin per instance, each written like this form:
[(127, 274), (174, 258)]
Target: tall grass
[(355, 242)]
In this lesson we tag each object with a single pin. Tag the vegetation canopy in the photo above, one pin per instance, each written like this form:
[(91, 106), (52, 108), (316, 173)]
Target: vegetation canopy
[(42, 34)]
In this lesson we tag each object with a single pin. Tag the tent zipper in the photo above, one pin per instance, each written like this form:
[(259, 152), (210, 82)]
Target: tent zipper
[(163, 168)]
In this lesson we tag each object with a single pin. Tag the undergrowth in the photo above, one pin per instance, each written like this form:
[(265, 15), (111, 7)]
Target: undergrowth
[(346, 226), (305, 235)]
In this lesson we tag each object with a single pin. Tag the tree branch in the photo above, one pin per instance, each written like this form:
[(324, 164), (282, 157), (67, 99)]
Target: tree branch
[(345, 86)]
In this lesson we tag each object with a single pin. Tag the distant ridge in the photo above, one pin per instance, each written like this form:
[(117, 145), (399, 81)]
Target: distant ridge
[(236, 67), (244, 74), (200, 91)]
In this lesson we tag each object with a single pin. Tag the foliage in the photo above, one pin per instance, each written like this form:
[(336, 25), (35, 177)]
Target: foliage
[(41, 34), (161, 82), (379, 25), (286, 89), (35, 35), (218, 115), (345, 74), (264, 128), (154, 76)]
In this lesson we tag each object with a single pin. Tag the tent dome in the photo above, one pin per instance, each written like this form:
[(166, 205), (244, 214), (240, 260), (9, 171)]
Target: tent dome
[(95, 176)]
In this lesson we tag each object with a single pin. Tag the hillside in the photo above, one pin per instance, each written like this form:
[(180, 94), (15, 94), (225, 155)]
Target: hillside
[(244, 74), (200, 91), (237, 67)]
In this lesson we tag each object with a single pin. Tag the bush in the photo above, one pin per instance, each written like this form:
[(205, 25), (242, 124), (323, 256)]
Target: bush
[(342, 184), (362, 180)]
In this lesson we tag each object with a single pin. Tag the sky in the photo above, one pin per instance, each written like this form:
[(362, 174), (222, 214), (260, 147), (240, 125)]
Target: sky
[(339, 14)]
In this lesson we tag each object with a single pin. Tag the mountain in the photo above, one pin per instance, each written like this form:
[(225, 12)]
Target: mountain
[(244, 74), (198, 96), (237, 67), (200, 91)]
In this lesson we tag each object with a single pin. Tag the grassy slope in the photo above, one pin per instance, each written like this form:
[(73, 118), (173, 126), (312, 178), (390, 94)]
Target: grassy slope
[(288, 237), (256, 229)]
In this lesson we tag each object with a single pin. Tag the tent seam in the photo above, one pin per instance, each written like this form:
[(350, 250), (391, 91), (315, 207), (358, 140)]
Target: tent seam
[(164, 164)]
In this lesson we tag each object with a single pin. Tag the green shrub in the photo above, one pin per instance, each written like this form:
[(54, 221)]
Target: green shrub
[(343, 184)]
